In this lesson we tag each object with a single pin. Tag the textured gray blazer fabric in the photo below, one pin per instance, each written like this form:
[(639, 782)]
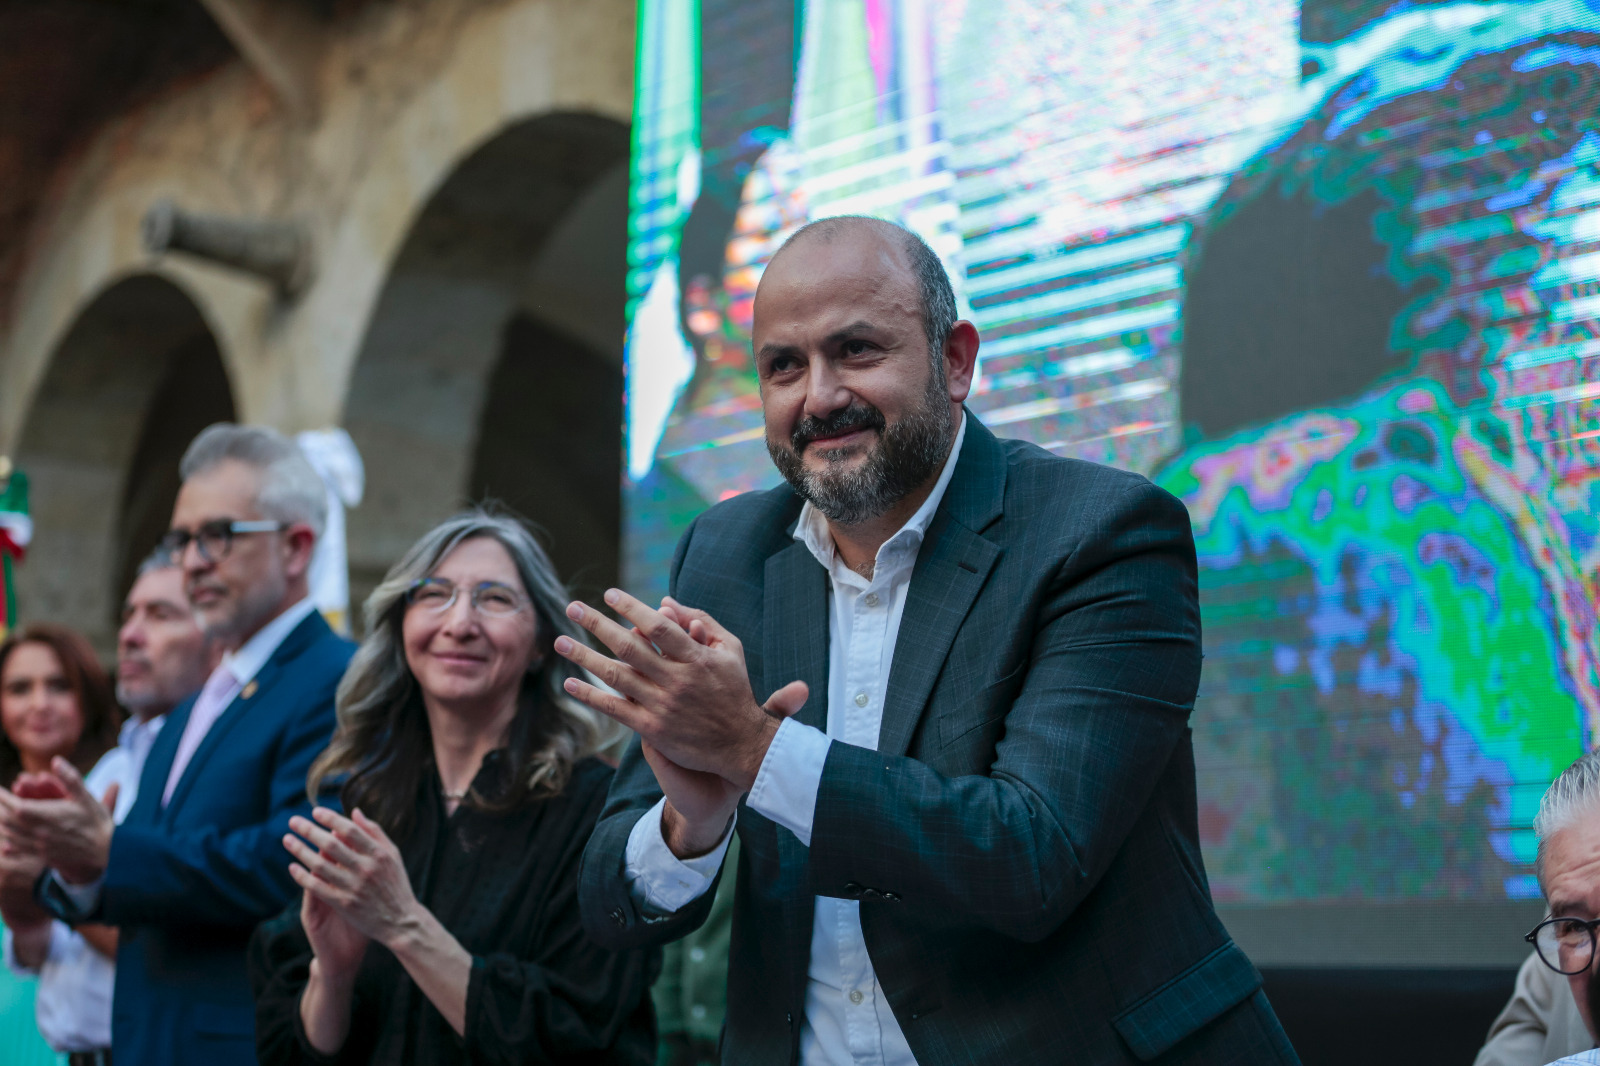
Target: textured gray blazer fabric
[(1024, 840)]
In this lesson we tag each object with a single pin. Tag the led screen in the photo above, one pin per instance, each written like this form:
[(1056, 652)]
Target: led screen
[(1328, 273)]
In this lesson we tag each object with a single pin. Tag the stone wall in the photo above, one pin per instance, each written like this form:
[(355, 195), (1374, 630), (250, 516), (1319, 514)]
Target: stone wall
[(464, 170)]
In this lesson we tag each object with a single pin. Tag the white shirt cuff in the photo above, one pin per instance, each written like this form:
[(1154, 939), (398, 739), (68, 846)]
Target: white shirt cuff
[(659, 879), (85, 897), (790, 776)]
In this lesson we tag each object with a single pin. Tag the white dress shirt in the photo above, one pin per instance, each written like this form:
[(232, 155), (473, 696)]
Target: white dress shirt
[(847, 1017), (237, 669), (73, 1000)]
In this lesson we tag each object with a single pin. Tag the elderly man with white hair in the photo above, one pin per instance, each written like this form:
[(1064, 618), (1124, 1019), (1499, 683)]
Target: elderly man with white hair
[(197, 862), (1568, 865)]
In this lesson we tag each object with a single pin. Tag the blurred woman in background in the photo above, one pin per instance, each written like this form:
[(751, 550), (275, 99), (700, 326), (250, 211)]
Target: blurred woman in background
[(439, 920), (55, 702), (55, 699)]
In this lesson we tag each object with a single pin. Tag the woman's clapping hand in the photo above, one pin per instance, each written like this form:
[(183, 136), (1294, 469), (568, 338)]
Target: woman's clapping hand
[(355, 883)]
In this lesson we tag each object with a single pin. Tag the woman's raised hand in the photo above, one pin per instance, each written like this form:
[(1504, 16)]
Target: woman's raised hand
[(355, 872), (338, 945)]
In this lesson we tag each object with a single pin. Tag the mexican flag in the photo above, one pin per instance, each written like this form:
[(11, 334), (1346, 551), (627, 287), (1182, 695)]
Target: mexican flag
[(16, 530)]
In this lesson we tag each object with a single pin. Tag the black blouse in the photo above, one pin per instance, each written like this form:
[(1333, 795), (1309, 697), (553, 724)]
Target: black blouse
[(505, 885)]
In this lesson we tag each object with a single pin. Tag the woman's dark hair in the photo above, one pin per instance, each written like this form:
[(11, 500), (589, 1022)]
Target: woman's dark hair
[(382, 747), (90, 684)]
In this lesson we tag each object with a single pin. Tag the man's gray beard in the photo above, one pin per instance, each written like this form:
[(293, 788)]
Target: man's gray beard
[(132, 700), (143, 704), (908, 453)]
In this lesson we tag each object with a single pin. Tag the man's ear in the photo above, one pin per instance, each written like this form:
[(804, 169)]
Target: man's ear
[(299, 543), (961, 360)]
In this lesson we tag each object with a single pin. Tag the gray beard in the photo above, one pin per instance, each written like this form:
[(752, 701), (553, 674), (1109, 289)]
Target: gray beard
[(254, 610), (908, 453)]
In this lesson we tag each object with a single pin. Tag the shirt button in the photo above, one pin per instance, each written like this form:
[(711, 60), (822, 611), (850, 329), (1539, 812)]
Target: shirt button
[(697, 954), (855, 996), (871, 599), (861, 699)]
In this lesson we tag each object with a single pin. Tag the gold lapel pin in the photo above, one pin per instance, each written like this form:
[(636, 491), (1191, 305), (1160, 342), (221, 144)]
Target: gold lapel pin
[(249, 690)]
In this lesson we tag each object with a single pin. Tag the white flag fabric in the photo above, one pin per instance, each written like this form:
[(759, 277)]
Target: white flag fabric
[(334, 456)]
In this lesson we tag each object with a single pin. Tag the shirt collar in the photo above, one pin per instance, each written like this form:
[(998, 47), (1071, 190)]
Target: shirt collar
[(136, 730), (247, 662), (812, 527)]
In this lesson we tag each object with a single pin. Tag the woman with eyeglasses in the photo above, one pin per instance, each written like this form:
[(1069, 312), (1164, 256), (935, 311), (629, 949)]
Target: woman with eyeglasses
[(439, 921)]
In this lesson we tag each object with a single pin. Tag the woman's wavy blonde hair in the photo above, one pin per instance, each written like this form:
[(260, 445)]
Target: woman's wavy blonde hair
[(382, 746)]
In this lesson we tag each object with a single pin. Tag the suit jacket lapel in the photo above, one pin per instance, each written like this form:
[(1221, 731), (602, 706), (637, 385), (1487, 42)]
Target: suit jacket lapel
[(158, 766), (795, 630), (251, 694), (952, 567)]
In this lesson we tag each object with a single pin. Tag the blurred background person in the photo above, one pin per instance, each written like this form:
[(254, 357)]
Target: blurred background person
[(162, 656), (56, 702), (197, 863), (1568, 865), (440, 921), (1539, 1024)]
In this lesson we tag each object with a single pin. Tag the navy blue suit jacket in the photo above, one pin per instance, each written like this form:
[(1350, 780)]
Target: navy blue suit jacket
[(189, 881), (1024, 839)]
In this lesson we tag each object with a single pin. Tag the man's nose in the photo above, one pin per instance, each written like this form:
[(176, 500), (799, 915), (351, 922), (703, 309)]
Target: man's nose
[(192, 561), (131, 635), (825, 389)]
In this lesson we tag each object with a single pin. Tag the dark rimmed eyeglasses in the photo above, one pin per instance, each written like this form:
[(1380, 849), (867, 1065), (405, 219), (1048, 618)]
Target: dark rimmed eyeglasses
[(490, 598), (1566, 945), (213, 540)]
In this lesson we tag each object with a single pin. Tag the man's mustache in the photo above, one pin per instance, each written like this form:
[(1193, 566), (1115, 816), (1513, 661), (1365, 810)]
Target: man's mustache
[(846, 420), (133, 660)]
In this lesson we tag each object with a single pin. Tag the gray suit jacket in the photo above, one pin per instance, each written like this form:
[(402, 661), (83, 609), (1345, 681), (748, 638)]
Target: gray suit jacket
[(1540, 1024), (1024, 839)]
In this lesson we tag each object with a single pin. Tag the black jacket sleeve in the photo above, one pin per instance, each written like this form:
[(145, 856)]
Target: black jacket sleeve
[(280, 966)]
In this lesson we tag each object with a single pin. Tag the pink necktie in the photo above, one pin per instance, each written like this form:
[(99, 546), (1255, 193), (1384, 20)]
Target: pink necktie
[(220, 689)]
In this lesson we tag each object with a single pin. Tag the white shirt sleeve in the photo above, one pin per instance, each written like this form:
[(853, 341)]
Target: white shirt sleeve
[(790, 776), (659, 879)]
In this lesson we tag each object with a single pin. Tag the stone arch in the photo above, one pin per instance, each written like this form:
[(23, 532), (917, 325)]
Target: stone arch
[(131, 382), (492, 363)]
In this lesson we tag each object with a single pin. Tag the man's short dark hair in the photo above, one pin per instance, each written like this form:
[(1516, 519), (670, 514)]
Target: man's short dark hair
[(933, 282)]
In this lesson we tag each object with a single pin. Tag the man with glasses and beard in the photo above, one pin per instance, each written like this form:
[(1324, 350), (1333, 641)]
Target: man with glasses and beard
[(198, 861), (1568, 865), (939, 684)]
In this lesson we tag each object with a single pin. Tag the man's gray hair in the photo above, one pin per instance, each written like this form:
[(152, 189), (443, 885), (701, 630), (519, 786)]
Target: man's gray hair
[(1573, 795), (160, 559), (291, 489), (933, 281)]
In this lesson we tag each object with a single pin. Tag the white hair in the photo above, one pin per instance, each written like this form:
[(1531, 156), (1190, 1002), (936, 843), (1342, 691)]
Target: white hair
[(1573, 795), (291, 489)]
